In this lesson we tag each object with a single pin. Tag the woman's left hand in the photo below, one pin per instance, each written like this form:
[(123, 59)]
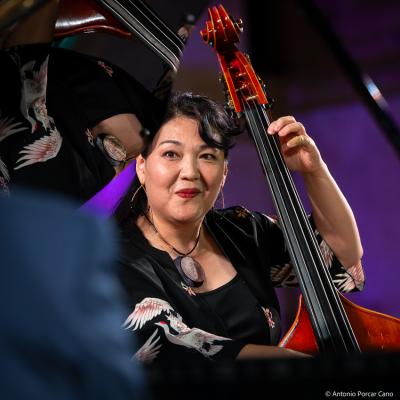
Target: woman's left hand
[(299, 150)]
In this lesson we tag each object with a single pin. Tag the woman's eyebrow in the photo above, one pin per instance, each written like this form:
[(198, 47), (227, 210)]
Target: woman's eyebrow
[(178, 143), (206, 146), (170, 141)]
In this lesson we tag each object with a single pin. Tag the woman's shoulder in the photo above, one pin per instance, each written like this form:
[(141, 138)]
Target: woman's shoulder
[(240, 217), (233, 213), (240, 213)]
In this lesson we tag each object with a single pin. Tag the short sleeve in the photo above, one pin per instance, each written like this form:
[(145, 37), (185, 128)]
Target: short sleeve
[(282, 271)]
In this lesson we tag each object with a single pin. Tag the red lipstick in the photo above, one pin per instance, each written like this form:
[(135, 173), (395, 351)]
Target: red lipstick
[(188, 193)]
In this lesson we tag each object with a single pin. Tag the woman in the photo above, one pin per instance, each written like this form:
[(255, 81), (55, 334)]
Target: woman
[(200, 280), (68, 122)]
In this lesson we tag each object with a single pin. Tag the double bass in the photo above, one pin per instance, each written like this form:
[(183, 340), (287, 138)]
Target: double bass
[(326, 321)]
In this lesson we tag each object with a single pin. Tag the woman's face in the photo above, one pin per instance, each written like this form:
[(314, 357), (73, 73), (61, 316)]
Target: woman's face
[(182, 174)]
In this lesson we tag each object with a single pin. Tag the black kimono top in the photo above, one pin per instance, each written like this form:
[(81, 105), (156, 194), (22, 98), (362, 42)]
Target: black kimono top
[(173, 322), (45, 142), (50, 100)]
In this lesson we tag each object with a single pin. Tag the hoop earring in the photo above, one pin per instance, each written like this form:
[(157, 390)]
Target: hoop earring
[(136, 192)]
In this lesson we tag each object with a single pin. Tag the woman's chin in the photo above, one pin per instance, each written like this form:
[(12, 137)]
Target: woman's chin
[(186, 216)]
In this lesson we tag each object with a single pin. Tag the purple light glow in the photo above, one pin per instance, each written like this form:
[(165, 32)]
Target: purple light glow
[(104, 202)]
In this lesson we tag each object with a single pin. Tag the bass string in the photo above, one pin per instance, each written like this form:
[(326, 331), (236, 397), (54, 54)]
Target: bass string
[(285, 187)]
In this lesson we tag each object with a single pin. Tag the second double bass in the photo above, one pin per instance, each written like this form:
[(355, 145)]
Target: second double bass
[(125, 19), (326, 321)]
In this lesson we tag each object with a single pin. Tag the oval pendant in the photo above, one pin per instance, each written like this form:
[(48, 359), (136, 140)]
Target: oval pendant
[(190, 270)]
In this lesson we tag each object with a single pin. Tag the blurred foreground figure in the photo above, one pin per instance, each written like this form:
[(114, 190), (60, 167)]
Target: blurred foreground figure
[(61, 307)]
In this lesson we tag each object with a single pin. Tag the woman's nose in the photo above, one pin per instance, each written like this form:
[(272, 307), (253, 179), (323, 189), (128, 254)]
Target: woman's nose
[(190, 168)]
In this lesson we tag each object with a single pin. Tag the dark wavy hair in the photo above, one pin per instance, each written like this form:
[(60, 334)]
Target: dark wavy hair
[(216, 128)]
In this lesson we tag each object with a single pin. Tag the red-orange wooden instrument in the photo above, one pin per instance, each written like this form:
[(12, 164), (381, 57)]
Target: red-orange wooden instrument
[(326, 321), (87, 16)]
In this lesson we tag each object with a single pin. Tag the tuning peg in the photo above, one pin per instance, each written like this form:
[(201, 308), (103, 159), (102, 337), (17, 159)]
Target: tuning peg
[(239, 24), (271, 102)]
